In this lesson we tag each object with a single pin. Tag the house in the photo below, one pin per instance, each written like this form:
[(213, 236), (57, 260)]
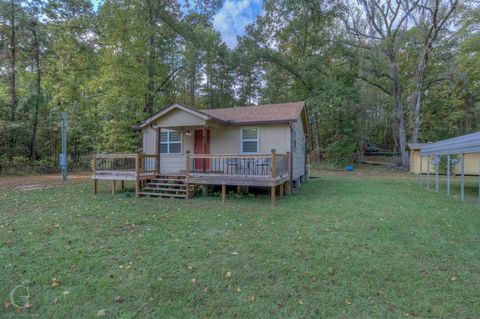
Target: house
[(263, 145)]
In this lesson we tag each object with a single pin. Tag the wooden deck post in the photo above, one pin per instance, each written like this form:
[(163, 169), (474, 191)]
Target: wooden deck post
[(289, 173), (273, 162), (157, 149), (123, 184), (187, 176), (114, 184), (282, 185), (224, 192), (273, 188), (137, 175), (204, 147), (94, 169), (272, 192)]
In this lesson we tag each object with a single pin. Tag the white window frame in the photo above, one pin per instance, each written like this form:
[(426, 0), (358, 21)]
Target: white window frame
[(249, 140), (168, 142)]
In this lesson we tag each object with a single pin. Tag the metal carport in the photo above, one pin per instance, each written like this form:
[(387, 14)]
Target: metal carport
[(460, 145)]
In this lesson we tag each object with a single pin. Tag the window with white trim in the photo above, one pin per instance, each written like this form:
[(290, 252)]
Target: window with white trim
[(170, 142), (249, 140)]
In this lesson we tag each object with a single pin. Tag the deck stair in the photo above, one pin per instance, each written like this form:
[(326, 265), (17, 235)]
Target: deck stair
[(168, 186)]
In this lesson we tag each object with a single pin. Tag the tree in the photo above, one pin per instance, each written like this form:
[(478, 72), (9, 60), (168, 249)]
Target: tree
[(386, 21)]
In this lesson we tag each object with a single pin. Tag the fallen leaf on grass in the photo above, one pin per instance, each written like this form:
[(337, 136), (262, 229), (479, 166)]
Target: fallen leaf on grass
[(348, 302), (251, 297), (300, 302), (235, 253), (194, 280), (239, 290), (7, 304), (118, 299), (454, 278), (331, 271), (229, 274), (205, 289), (102, 313), (65, 293), (55, 282)]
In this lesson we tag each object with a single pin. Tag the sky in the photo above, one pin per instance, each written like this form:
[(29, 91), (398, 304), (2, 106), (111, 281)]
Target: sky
[(232, 18)]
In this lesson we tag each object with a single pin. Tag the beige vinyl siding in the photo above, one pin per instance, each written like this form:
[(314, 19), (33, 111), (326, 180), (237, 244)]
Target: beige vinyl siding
[(472, 164), (415, 163), (178, 118), (169, 163), (227, 140), (298, 155)]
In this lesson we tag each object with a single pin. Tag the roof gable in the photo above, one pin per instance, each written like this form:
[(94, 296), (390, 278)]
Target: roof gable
[(169, 109), (241, 115)]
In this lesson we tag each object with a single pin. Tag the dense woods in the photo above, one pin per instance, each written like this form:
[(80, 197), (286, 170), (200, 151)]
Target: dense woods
[(386, 72)]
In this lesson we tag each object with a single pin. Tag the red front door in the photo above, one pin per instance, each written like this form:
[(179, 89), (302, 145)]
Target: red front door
[(202, 164)]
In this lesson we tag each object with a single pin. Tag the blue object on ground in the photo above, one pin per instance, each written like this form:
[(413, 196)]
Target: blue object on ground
[(349, 168)]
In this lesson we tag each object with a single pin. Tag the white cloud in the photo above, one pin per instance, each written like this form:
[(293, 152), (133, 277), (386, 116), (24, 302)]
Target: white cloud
[(234, 16)]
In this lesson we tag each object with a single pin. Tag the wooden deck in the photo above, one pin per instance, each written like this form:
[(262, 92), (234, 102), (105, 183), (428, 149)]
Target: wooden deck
[(257, 170)]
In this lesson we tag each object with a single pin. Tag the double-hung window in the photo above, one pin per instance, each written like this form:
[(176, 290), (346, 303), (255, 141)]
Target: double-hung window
[(249, 140), (170, 142)]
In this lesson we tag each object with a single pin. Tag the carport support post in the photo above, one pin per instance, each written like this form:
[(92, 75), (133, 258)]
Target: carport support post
[(448, 174), (479, 186), (462, 179), (428, 172), (436, 173), (421, 173)]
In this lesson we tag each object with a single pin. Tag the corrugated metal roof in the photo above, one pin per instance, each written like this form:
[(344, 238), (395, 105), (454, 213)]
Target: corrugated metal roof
[(465, 144)]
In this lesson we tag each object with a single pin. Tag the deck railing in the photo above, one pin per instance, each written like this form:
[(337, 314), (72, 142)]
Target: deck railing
[(255, 165), (138, 164)]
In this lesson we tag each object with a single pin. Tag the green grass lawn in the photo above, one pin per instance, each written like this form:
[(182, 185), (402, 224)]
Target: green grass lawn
[(362, 247)]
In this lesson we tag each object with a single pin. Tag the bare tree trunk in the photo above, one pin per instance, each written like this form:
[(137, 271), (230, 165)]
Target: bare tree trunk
[(13, 67), (33, 146), (419, 98), (193, 81), (399, 117), (437, 24), (150, 98)]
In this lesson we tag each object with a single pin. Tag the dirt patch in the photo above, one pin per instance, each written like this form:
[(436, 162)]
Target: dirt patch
[(34, 182), (364, 170), (31, 187)]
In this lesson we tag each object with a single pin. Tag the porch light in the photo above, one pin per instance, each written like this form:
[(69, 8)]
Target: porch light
[(188, 133)]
